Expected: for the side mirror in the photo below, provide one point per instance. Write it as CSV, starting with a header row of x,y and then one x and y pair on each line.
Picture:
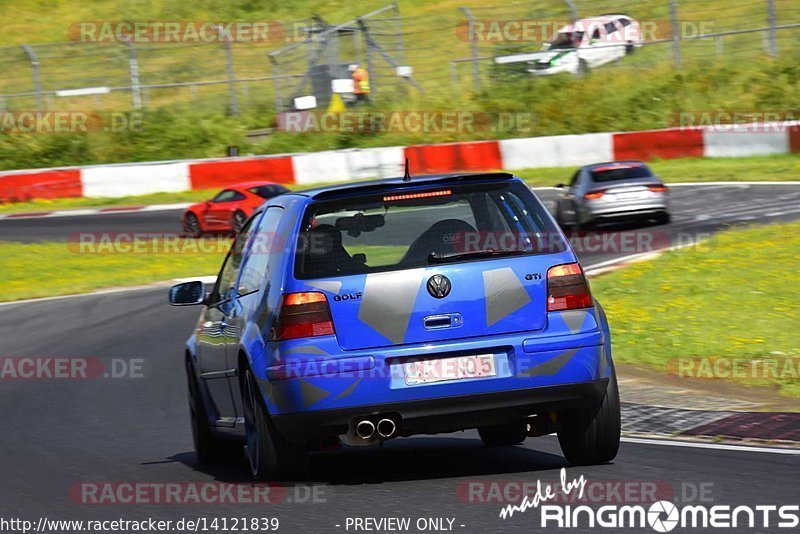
x,y
187,294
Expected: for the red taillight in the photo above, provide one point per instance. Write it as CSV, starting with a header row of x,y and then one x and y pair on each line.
x,y
593,195
303,315
567,288
657,188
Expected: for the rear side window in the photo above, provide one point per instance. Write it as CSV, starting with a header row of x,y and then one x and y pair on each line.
x,y
228,195
610,28
268,191
620,172
224,287
624,22
265,242
420,227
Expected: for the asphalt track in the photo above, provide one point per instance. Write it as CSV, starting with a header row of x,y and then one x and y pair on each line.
x,y
60,433
64,228
695,208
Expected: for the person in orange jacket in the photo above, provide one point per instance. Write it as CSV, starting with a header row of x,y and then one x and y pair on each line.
x,y
360,83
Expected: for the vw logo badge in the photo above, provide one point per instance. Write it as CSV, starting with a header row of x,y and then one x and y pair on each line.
x,y
439,286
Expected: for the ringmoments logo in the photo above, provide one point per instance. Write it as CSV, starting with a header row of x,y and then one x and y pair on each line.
x,y
660,516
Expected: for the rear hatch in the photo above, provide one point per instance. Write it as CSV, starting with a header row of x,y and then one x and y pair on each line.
x,y
431,263
625,181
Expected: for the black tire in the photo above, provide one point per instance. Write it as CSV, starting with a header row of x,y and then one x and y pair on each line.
x,y
630,49
566,226
663,218
591,436
560,216
504,435
238,220
191,225
208,447
271,457
583,67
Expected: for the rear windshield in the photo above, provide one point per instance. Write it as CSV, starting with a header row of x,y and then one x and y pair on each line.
x,y
419,227
616,173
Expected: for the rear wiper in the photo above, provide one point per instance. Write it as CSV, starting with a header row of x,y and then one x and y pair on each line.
x,y
433,257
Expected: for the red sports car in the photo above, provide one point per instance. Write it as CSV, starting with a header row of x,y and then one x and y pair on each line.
x,y
229,209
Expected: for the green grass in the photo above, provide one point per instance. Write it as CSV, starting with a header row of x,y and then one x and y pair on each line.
x,y
757,168
34,270
644,91
379,255
735,296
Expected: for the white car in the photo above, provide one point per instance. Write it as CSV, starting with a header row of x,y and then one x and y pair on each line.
x,y
588,43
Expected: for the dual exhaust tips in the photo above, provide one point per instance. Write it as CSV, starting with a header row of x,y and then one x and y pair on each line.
x,y
366,429
367,432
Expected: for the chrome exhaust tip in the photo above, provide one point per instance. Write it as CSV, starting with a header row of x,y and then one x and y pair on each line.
x,y
365,429
386,428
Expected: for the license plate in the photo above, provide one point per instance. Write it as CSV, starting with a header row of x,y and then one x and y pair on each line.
x,y
443,369
630,195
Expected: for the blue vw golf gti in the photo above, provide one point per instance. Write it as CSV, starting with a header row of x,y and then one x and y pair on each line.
x,y
368,311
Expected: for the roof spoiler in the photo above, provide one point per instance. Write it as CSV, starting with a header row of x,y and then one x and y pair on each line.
x,y
365,188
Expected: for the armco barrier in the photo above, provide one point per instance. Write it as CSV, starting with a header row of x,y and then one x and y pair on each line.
x,y
557,151
27,185
127,180
794,138
665,144
740,142
350,164
219,173
467,156
383,162
332,165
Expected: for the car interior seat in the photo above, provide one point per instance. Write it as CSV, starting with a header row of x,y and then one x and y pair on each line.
x,y
443,237
325,253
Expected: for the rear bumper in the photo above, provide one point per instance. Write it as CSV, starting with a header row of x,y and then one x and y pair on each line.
x,y
596,212
313,394
444,414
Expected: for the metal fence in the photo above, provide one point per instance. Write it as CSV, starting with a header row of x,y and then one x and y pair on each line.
x,y
374,41
124,74
431,57
681,33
